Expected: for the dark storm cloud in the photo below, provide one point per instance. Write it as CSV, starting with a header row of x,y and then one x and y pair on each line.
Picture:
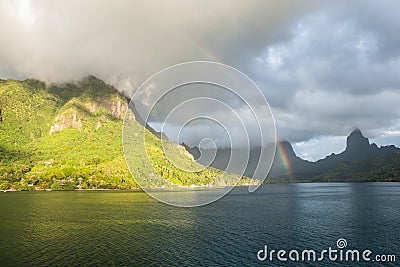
x,y
325,67
340,70
126,41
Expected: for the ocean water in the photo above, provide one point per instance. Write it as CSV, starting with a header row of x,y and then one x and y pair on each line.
x,y
121,228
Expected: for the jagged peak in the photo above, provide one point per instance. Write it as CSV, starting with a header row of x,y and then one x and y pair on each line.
x,y
287,147
356,132
285,144
357,139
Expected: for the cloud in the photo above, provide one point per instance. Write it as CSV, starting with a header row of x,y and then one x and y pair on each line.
x,y
340,70
390,133
325,67
126,41
318,148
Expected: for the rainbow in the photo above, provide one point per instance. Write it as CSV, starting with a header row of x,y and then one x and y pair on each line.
x,y
284,158
195,45
212,56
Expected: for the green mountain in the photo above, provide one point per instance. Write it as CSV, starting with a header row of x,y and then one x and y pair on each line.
x,y
69,136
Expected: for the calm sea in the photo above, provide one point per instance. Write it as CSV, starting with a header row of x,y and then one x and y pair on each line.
x,y
118,228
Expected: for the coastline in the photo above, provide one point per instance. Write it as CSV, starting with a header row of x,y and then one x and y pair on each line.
x,y
192,188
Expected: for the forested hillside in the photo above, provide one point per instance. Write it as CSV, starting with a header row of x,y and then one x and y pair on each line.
x,y
68,136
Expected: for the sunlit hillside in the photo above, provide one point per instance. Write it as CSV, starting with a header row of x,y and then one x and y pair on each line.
x,y
68,137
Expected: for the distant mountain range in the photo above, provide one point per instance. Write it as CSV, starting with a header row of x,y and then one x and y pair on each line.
x,y
360,161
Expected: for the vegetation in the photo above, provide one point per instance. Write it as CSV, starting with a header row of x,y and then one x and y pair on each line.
x,y
375,169
360,161
69,136
66,137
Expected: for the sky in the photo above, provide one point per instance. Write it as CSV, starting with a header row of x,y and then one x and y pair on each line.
x,y
325,67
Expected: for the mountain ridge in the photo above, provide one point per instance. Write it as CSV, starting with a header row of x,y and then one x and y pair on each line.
x,y
358,151
69,136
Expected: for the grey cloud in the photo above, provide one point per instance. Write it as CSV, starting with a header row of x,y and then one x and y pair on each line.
x,y
325,67
340,70
335,113
127,41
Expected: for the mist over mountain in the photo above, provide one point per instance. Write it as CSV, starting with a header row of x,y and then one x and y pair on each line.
x,y
69,136
320,64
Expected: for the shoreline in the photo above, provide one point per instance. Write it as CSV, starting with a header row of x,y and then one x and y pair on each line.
x,y
190,188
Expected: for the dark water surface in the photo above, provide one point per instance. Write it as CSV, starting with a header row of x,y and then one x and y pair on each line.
x,y
132,229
